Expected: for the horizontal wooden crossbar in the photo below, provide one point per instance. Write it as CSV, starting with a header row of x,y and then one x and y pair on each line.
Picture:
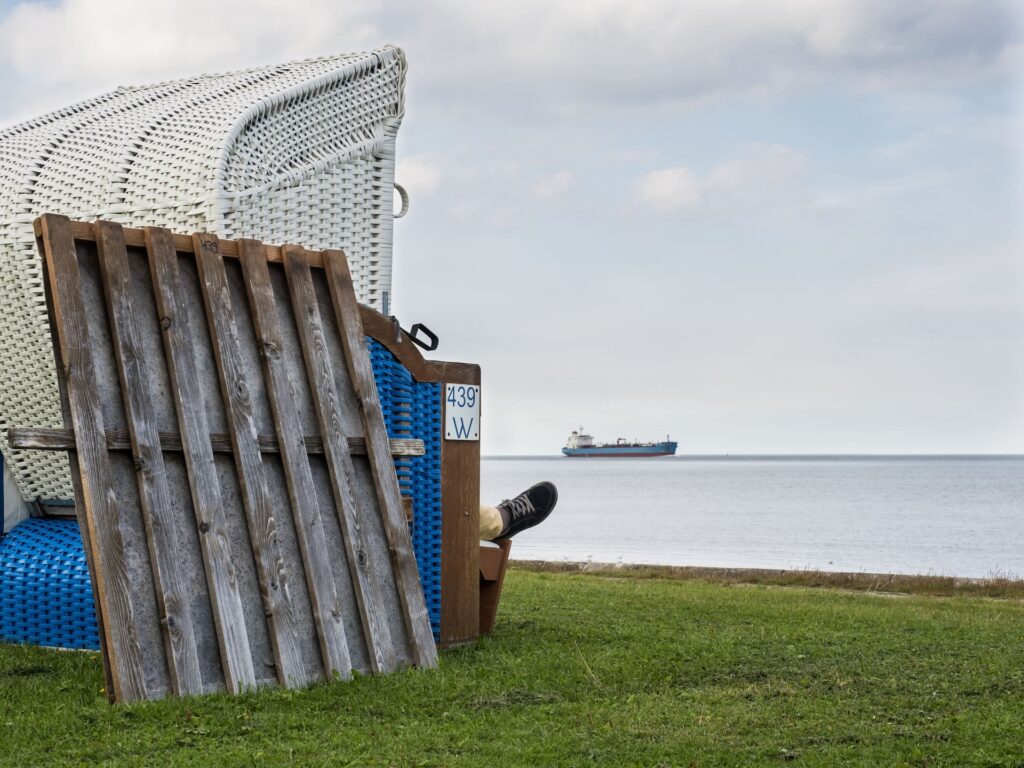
x,y
50,439
136,238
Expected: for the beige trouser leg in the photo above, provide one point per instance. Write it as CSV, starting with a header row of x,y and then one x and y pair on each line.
x,y
490,522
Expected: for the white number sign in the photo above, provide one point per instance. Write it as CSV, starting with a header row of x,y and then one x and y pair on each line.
x,y
462,412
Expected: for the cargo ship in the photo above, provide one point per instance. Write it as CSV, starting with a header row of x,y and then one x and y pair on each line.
x,y
581,444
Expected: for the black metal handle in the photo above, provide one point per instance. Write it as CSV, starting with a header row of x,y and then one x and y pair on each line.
x,y
413,334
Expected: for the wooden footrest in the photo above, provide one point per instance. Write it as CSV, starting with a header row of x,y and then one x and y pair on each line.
x,y
493,564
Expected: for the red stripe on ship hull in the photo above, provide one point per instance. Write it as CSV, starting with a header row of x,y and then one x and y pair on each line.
x,y
616,455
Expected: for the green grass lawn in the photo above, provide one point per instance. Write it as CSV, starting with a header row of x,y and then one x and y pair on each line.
x,y
594,670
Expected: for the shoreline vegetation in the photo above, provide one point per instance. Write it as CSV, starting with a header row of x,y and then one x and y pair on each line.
x,y
994,586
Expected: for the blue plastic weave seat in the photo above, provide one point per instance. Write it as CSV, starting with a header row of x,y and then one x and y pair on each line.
x,y
45,593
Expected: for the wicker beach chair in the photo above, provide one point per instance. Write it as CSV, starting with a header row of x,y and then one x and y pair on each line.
x,y
300,152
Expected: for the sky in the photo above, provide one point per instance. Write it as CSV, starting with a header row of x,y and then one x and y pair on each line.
x,y
787,227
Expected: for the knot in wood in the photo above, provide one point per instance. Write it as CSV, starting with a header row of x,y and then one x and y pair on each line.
x,y
271,350
165,322
361,558
204,527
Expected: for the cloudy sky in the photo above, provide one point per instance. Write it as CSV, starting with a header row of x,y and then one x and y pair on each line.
x,y
787,227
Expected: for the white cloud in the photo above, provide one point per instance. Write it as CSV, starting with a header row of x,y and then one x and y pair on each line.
x,y
759,174
418,174
670,189
568,56
554,185
484,81
74,49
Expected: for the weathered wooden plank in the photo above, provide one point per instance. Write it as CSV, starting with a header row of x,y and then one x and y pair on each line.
x,y
78,511
271,567
57,439
327,609
225,596
339,463
357,359
170,588
100,505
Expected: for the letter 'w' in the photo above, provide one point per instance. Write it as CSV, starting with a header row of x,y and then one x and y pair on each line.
x,y
461,428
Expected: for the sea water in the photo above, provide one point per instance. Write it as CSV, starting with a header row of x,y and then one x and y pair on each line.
x,y
961,516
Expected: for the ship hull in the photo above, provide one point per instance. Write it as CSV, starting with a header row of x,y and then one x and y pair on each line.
x,y
622,451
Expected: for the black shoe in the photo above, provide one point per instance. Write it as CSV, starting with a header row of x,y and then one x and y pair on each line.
x,y
528,509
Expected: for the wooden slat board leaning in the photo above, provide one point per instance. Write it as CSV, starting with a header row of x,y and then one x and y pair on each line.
x,y
234,482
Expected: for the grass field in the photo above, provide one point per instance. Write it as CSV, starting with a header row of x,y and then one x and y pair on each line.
x,y
592,669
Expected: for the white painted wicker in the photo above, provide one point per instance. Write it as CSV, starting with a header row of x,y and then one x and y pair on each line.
x,y
299,153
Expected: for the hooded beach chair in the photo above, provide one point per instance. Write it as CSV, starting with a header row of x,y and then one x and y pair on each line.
x,y
294,153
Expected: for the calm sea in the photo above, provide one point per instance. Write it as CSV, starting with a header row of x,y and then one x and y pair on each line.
x,y
961,516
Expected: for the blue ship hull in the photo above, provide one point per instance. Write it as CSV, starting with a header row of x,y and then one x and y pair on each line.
x,y
623,451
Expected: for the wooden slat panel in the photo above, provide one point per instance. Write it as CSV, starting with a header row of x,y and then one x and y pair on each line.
x,y
98,500
171,592
221,575
271,567
326,404
327,609
357,359
56,439
210,377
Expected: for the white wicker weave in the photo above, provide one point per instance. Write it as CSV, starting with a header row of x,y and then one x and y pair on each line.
x,y
299,153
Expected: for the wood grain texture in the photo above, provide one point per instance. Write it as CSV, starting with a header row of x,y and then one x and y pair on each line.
x,y
136,238
272,568
460,525
58,439
327,610
257,344
99,503
79,510
493,565
225,597
170,587
357,359
328,412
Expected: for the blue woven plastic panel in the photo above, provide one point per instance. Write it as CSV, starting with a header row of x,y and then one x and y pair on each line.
x,y
413,409
45,595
